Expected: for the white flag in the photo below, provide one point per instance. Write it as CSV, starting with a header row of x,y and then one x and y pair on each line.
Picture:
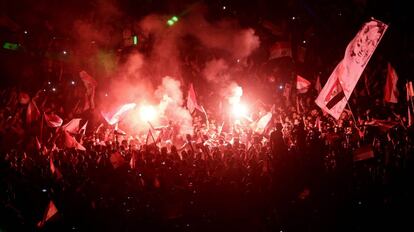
x,y
344,78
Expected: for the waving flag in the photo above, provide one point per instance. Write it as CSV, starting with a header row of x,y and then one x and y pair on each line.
x,y
341,83
70,142
280,49
302,85
192,101
51,211
263,122
53,120
32,112
112,119
72,126
390,90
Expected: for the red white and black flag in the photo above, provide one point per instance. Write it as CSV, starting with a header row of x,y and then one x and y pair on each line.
x,y
341,83
192,100
114,117
302,85
280,49
53,120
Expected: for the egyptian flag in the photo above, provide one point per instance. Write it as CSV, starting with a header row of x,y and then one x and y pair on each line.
x,y
280,49
302,85
53,120
51,211
192,101
390,90
262,123
32,112
70,142
113,118
73,126
340,85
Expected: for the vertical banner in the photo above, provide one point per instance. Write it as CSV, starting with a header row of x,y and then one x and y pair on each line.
x,y
333,97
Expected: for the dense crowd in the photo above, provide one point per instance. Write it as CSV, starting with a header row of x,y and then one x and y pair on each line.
x,y
302,173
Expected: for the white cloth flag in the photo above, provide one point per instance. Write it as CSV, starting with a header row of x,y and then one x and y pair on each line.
x,y
344,78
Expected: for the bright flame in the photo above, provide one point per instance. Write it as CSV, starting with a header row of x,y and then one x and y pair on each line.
x,y
239,110
237,92
147,113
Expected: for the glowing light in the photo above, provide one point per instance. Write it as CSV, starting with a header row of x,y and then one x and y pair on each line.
x,y
135,40
224,7
49,83
54,89
239,110
72,82
280,86
65,52
237,93
25,32
10,46
304,41
293,17
172,20
147,113
106,94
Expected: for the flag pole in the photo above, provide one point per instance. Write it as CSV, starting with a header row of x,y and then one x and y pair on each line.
x,y
41,129
347,103
152,136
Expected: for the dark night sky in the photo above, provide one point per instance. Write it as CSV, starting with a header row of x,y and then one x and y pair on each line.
x,y
326,25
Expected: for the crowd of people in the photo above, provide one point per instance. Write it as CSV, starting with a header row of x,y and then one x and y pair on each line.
x,y
304,172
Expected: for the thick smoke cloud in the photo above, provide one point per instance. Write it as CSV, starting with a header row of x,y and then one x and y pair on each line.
x,y
156,77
